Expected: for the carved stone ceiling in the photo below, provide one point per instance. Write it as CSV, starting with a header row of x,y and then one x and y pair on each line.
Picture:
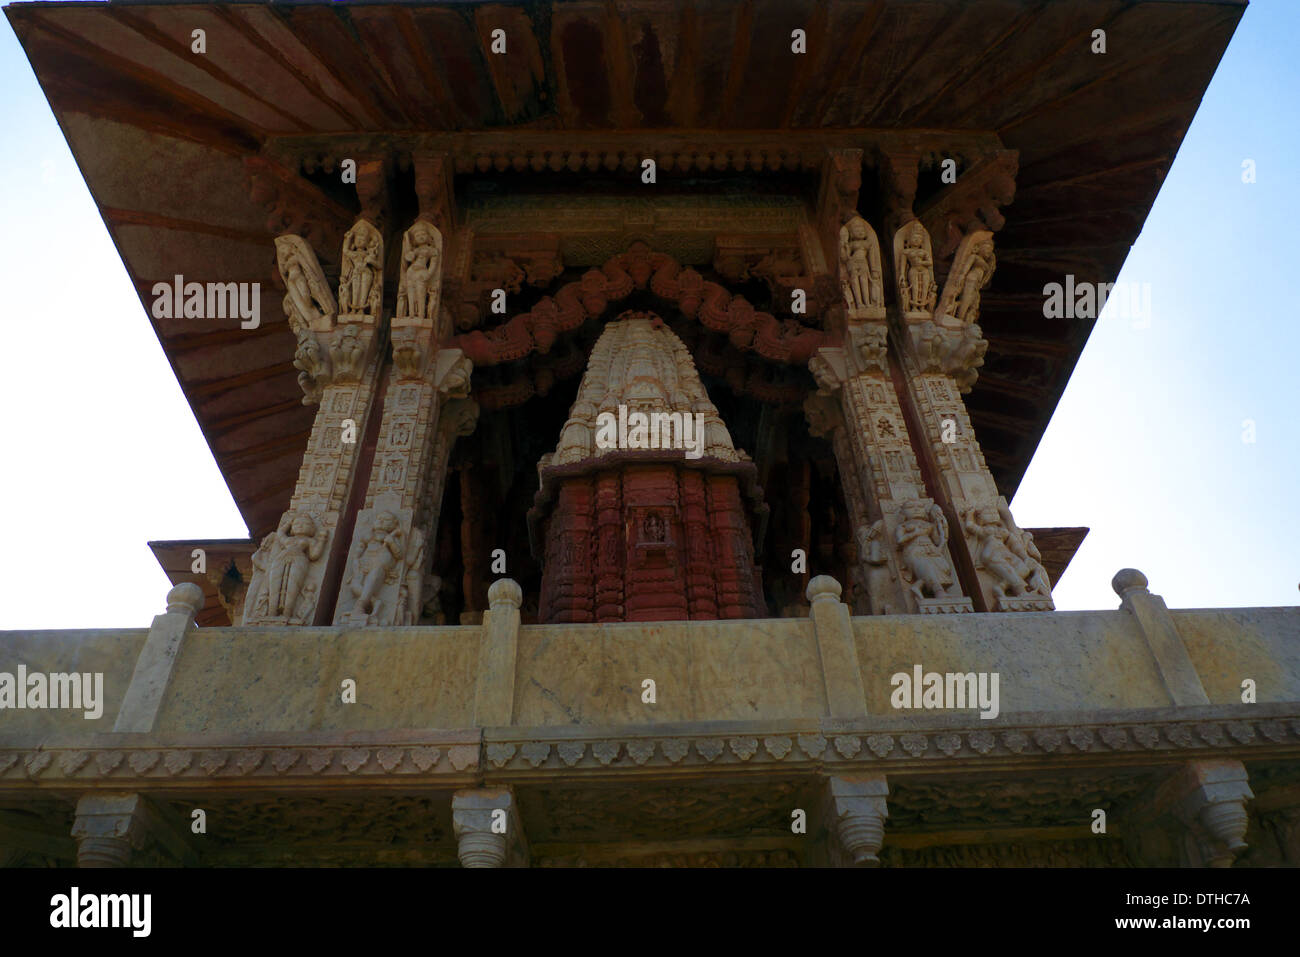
x,y
168,141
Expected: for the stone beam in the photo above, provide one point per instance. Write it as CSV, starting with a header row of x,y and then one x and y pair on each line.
x,y
676,153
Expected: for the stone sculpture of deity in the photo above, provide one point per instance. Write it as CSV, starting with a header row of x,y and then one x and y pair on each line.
x,y
916,270
878,577
361,277
979,270
284,559
922,539
1004,556
376,561
860,266
307,297
421,253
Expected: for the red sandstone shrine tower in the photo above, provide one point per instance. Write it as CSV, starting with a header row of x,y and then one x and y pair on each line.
x,y
639,534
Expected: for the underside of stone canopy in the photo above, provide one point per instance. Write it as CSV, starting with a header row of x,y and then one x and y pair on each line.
x,y
626,435
197,161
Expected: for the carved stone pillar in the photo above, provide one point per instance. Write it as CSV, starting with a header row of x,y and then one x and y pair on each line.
x,y
855,815
339,358
941,350
487,828
903,563
385,577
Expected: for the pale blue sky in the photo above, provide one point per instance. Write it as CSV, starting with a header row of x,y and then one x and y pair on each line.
x,y
102,454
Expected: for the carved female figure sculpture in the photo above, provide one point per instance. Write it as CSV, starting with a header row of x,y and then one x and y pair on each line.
x,y
860,265
308,297
420,258
879,579
978,273
922,538
917,275
381,550
361,268
292,549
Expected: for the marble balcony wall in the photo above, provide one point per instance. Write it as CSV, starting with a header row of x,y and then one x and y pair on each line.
x,y
764,712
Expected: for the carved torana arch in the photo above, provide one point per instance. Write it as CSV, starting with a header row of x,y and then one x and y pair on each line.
x,y
748,329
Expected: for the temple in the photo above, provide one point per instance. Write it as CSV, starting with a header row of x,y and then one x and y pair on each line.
x,y
625,402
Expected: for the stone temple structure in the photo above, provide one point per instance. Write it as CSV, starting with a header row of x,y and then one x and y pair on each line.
x,y
626,434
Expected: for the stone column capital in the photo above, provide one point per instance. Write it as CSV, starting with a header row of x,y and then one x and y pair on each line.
x,y
488,831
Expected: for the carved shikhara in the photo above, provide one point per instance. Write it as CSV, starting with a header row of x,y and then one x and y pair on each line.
x,y
639,364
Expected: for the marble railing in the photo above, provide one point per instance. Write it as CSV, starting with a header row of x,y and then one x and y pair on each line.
x,y
178,680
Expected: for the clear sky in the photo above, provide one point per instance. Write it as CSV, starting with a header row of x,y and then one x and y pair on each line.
x,y
101,454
